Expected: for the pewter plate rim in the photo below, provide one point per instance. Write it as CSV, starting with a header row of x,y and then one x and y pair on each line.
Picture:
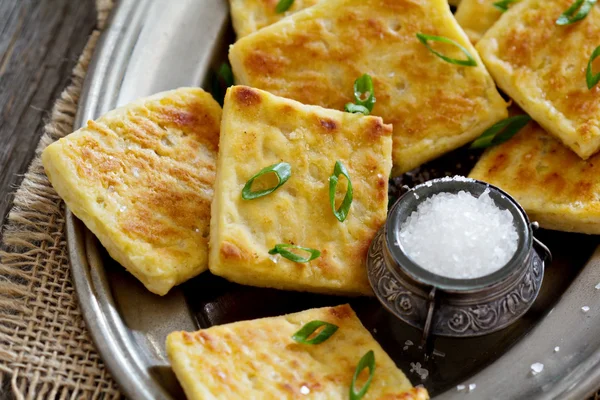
x,y
124,349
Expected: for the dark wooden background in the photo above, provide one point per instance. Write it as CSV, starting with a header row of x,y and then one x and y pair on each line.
x,y
40,42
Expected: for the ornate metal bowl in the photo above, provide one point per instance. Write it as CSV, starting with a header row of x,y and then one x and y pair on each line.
x,y
444,306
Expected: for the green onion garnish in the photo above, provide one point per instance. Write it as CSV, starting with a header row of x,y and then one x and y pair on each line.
x,y
592,79
501,131
569,16
221,80
304,333
503,4
364,96
469,62
226,74
342,212
283,6
367,361
282,170
281,249
355,109
363,87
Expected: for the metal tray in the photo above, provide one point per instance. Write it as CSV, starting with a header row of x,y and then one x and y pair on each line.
x,y
155,45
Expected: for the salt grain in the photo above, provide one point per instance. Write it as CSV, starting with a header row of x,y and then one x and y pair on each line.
x,y
460,387
585,309
459,235
472,386
304,390
438,353
556,349
536,368
422,372
597,286
135,171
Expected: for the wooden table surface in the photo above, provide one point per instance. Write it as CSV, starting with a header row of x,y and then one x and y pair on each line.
x,y
40,42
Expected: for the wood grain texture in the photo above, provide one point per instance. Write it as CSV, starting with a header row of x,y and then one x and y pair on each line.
x,y
40,41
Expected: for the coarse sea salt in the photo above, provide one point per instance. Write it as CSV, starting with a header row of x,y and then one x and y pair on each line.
x,y
536,368
419,370
459,235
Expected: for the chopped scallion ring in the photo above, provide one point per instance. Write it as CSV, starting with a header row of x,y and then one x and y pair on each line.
x,y
363,87
503,4
226,74
364,96
281,249
342,212
590,78
501,131
302,336
222,79
367,361
283,6
569,16
282,170
356,109
469,62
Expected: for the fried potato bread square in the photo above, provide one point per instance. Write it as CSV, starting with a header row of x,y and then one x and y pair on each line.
x,y
259,130
259,360
248,16
315,55
542,65
476,17
556,187
141,179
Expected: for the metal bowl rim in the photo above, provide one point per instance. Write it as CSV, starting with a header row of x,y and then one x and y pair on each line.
x,y
515,266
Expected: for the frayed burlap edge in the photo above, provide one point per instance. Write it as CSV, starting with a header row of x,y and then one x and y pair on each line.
x,y
45,349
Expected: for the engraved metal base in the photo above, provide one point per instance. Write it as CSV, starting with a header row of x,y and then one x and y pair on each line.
x,y
454,315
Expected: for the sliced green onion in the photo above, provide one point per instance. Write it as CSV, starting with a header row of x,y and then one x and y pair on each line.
x,y
222,79
569,16
283,6
367,361
302,336
356,109
364,96
342,212
282,170
226,74
501,131
503,4
363,87
281,249
592,79
469,62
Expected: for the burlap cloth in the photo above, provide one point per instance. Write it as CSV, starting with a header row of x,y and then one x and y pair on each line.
x,y
45,349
